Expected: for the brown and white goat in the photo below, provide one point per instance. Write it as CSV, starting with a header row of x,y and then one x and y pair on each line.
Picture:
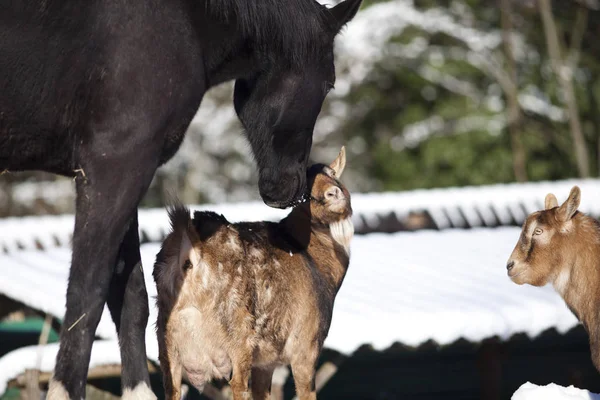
x,y
561,245
244,298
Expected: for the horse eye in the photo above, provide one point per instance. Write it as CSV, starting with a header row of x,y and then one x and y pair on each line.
x,y
537,231
328,87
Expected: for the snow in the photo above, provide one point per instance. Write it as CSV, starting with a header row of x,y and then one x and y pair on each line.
x,y
403,287
458,290
473,206
52,192
530,391
26,233
367,37
104,352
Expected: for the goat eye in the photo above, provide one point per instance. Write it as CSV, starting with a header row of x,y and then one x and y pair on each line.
x,y
537,231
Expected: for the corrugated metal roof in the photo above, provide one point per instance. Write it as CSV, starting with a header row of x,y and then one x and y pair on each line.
x,y
407,287
465,207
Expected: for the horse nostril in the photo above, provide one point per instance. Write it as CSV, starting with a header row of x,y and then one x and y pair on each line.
x,y
510,265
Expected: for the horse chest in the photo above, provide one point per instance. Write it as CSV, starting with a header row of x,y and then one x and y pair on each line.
x,y
20,151
173,139
36,130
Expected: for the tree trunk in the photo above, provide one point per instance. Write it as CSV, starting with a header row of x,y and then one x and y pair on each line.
x,y
564,73
513,109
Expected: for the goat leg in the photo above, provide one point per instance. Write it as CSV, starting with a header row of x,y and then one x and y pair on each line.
x,y
171,371
261,383
240,377
303,371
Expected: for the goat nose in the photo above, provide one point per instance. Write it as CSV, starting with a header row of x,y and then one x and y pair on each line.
x,y
510,265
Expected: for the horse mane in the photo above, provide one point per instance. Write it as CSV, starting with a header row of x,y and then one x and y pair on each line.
x,y
287,27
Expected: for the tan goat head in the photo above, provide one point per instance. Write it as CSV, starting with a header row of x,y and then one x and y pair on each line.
x,y
535,259
329,199
561,245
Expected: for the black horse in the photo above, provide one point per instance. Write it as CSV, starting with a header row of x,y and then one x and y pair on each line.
x,y
103,90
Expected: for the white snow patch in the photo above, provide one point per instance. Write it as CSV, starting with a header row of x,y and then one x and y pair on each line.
x,y
104,352
530,391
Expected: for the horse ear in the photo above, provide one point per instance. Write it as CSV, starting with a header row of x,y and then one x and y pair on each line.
x,y
550,201
339,163
569,207
342,14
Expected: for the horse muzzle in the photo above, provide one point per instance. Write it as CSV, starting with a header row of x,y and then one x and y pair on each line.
x,y
287,191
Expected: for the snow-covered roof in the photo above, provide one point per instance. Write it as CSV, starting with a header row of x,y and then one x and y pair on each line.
x,y
474,206
407,287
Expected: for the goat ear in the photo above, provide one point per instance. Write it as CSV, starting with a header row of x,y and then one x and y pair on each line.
x,y
342,13
187,251
569,207
181,225
550,201
339,163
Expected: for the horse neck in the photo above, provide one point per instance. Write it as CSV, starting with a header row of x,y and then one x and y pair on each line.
x,y
298,225
233,63
304,229
320,243
227,54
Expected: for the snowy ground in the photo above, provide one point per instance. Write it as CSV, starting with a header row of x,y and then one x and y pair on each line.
x,y
530,391
403,287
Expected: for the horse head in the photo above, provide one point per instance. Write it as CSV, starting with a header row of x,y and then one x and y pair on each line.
x,y
279,104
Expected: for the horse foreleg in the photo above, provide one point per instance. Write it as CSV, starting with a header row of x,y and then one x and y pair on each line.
x,y
128,304
107,197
